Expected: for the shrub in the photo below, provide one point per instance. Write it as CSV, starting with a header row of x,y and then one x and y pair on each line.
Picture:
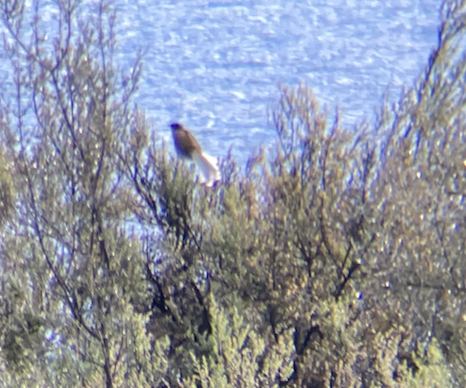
x,y
334,261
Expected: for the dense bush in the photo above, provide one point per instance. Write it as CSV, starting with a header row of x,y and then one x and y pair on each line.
x,y
336,260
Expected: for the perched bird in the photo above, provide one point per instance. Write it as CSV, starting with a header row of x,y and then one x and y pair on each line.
x,y
188,147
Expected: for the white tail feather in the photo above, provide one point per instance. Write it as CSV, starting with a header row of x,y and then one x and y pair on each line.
x,y
207,165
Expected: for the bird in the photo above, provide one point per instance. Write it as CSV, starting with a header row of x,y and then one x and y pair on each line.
x,y
188,147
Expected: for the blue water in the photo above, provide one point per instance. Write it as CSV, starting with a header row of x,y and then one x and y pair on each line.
x,y
215,65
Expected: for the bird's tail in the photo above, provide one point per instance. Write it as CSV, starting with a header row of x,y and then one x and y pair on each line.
x,y
207,165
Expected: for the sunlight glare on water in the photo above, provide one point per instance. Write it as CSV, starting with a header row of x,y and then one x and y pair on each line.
x,y
215,65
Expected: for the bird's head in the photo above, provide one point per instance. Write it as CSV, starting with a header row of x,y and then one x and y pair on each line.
x,y
176,127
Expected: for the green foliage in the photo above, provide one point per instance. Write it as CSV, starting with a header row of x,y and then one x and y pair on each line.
x,y
237,355
335,261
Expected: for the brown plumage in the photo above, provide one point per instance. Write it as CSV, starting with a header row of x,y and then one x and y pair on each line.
x,y
185,143
187,146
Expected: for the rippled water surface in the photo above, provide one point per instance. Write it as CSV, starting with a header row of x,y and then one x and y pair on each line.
x,y
215,65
